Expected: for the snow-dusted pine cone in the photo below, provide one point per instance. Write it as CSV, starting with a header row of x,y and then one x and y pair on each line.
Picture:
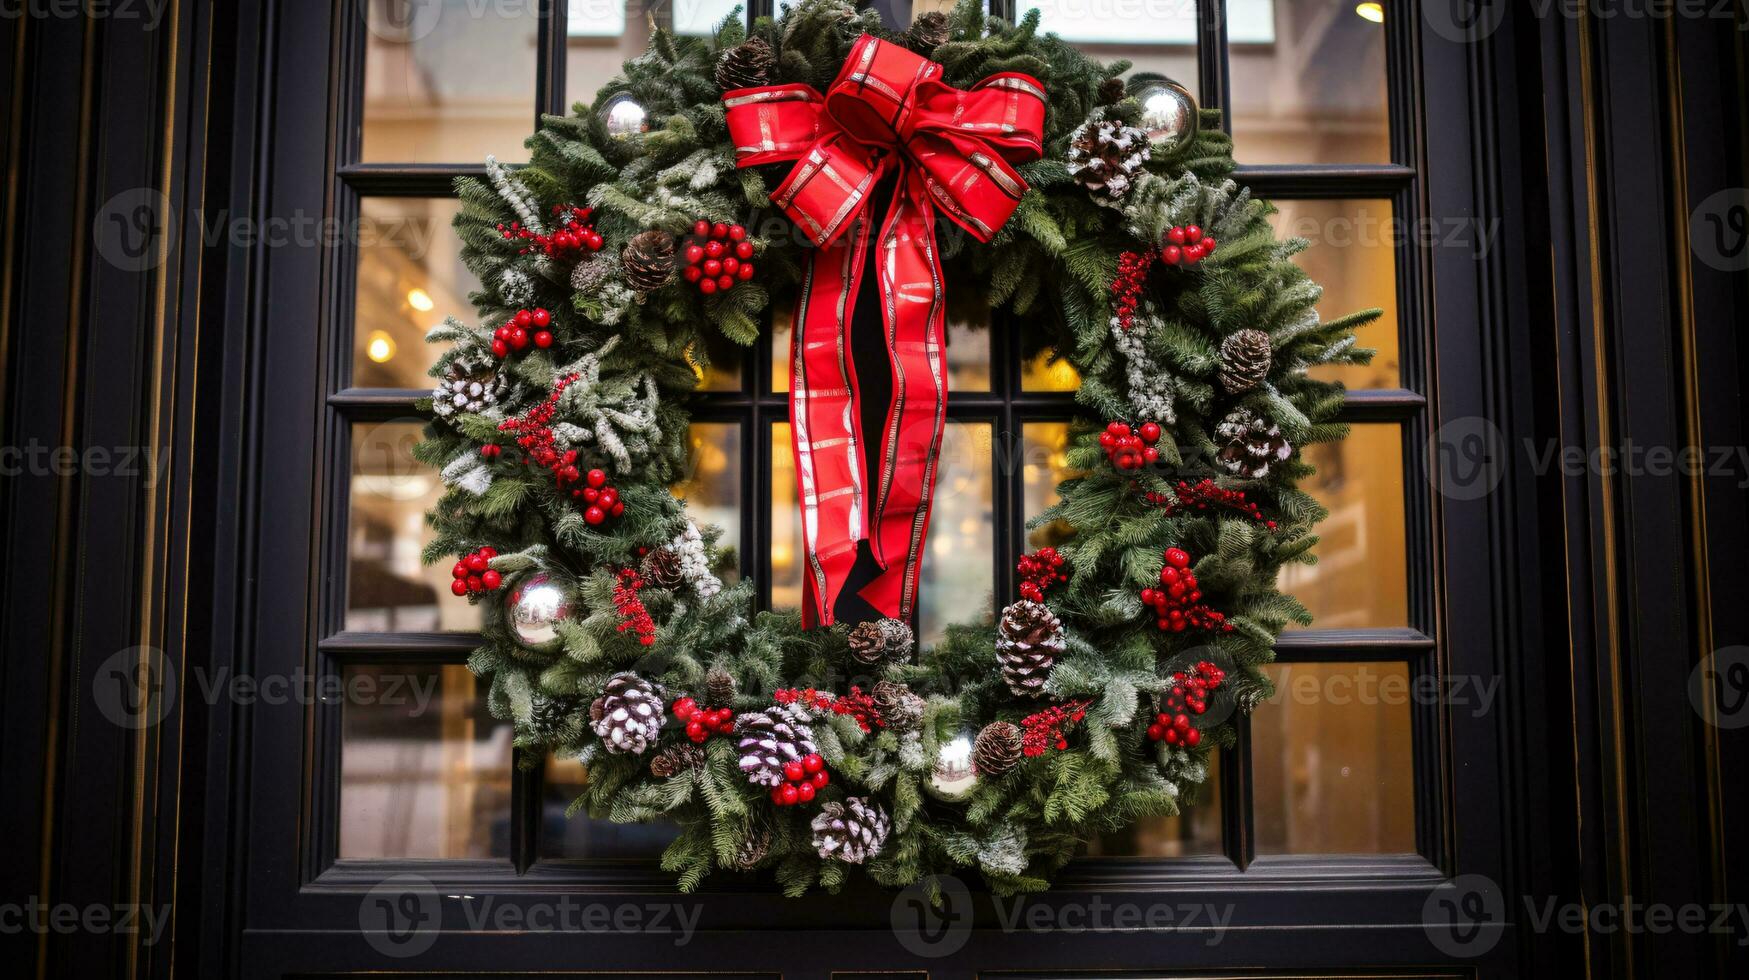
x,y
881,641
753,848
628,715
746,65
590,273
663,569
719,689
676,759
772,737
468,386
1028,639
928,32
901,709
1245,358
554,717
997,749
648,260
1251,445
1106,156
852,831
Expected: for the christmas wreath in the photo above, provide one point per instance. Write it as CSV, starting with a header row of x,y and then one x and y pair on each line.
x,y
1097,210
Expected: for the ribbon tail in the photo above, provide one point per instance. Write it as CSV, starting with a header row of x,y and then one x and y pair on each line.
x,y
913,315
825,432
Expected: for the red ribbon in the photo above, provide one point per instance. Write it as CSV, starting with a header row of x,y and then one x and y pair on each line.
x,y
888,111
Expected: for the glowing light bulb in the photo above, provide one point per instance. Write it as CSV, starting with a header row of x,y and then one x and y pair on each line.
x,y
1371,10
420,300
379,346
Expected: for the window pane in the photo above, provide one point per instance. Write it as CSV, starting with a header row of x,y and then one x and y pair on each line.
x,y
1353,255
604,34
1195,831
387,588
968,346
424,769
1040,372
1360,579
712,488
1308,81
1332,761
1044,462
582,836
958,560
410,276
958,584
724,370
1156,35
448,81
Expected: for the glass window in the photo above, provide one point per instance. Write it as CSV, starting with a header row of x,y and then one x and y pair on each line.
x,y
712,487
1361,577
424,769
1308,81
1044,465
968,346
1195,831
410,276
583,836
1332,760
448,81
1353,256
958,585
1154,35
388,588
602,35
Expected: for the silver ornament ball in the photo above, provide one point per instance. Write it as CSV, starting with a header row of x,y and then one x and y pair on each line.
x,y
536,607
954,777
624,117
1169,114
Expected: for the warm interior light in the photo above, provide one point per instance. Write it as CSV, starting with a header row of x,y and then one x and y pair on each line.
x,y
379,347
1371,10
420,300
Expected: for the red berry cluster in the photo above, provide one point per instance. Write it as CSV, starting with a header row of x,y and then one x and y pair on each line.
x,y
573,234
808,698
1126,290
602,499
1186,245
526,327
702,723
1130,449
1177,603
717,257
491,450
1038,572
802,779
1204,495
1043,730
472,574
633,617
1188,696
861,709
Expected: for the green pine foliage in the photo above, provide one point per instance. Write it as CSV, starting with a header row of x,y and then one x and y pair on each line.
x,y
638,361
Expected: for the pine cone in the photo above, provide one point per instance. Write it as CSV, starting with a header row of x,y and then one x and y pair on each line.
x,y
1252,445
928,32
746,65
554,717
753,849
852,831
1245,358
590,273
719,689
997,749
1029,637
628,715
676,759
468,386
883,640
1107,157
897,705
771,738
1112,91
663,569
649,260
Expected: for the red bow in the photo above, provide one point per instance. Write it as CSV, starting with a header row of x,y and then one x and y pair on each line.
x,y
887,111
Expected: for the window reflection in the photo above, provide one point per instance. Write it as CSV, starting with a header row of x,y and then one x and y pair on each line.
x,y
1154,35
388,588
424,768
1332,761
1353,256
968,345
1195,831
448,81
583,836
712,487
410,276
1308,82
1361,577
1045,464
605,34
